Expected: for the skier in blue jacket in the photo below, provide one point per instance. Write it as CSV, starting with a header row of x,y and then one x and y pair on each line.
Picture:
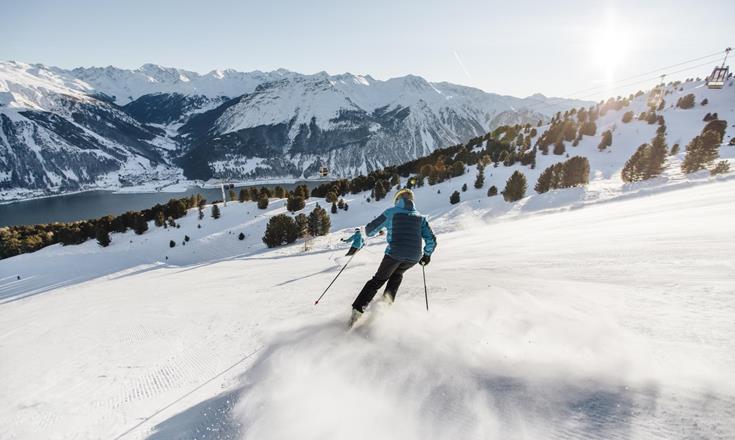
x,y
406,228
357,242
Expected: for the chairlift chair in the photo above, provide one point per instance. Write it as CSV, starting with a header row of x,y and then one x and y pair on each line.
x,y
719,74
323,171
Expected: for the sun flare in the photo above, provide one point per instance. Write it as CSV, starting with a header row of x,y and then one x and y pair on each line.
x,y
610,47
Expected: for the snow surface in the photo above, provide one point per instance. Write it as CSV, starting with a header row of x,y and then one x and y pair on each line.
x,y
601,312
573,314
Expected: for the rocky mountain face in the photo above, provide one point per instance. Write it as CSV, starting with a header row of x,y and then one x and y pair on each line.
x,y
68,130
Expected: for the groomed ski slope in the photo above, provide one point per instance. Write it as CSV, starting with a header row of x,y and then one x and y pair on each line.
x,y
609,321
601,312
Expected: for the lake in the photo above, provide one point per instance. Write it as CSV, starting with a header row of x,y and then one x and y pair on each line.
x,y
94,204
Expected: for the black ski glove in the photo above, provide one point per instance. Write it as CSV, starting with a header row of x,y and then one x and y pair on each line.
x,y
425,260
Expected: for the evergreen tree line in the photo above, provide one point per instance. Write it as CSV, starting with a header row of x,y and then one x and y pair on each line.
x,y
704,149
15,240
570,173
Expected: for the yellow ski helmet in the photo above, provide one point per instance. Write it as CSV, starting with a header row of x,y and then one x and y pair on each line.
x,y
405,194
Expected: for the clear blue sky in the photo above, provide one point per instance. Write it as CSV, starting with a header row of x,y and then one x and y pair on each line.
x,y
512,47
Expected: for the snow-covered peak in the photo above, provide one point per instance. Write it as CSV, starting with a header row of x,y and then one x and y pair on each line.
x,y
126,85
33,86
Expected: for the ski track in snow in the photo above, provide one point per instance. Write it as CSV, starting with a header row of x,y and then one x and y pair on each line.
x,y
613,321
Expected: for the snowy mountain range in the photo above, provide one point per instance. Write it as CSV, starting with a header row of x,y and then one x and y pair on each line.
x,y
86,128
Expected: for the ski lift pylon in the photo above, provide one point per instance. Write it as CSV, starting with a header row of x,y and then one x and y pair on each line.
x,y
657,94
716,80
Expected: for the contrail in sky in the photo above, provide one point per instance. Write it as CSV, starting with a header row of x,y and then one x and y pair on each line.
x,y
461,64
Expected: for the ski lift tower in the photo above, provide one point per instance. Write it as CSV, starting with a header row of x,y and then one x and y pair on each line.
x,y
657,94
222,187
719,75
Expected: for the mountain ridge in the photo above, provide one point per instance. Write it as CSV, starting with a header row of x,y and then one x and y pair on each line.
x,y
226,124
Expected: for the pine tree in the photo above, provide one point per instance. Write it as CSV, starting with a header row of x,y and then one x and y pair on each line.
x,y
295,203
319,222
464,187
139,224
302,221
232,195
674,149
606,140
633,168
721,167
545,180
278,192
657,156
454,198
515,187
480,179
686,102
379,190
303,191
215,211
159,220
559,147
241,236
575,172
627,117
262,201
705,101
492,191
587,129
200,206
281,229
171,243
334,207
102,235
244,195
701,151
717,126
331,197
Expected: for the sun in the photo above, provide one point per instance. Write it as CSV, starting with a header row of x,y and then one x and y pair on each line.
x,y
610,47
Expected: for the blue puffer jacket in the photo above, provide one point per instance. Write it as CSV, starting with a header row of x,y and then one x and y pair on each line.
x,y
406,227
356,239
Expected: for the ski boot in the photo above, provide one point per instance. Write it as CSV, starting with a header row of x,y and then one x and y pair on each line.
x,y
388,297
356,315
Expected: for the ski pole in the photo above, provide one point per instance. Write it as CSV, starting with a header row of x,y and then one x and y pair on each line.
x,y
426,293
335,279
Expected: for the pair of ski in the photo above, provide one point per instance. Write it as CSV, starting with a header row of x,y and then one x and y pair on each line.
x,y
359,319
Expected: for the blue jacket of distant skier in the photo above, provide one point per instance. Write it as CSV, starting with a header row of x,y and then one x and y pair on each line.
x,y
357,240
406,227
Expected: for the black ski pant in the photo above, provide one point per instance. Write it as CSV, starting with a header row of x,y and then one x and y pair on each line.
x,y
353,250
390,270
